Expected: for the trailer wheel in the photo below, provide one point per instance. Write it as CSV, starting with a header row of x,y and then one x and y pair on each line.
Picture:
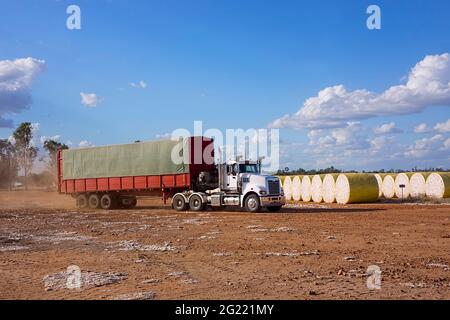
x,y
94,201
82,201
179,203
196,203
252,203
108,201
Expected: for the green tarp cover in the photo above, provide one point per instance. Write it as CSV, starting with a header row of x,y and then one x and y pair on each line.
x,y
135,159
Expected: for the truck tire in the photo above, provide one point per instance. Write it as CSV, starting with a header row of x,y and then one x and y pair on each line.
x,y
252,203
82,201
108,201
94,201
274,209
196,203
179,203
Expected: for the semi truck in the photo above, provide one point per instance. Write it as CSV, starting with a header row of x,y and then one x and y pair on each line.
x,y
115,176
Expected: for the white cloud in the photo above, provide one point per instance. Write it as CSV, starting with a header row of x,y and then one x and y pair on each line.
x,y
45,138
140,85
425,147
428,84
447,144
386,128
90,99
422,128
163,135
16,77
443,126
353,136
85,144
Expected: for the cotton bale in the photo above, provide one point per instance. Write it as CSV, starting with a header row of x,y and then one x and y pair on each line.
x,y
329,188
388,186
356,188
438,185
317,189
297,188
306,188
287,187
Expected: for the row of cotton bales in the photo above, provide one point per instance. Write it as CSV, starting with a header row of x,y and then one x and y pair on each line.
x,y
419,184
362,187
329,188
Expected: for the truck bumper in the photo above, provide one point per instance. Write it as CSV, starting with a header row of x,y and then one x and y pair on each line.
x,y
273,201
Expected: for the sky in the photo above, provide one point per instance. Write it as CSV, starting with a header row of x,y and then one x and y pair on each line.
x,y
340,93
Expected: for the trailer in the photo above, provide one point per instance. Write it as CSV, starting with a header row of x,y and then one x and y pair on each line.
x,y
114,176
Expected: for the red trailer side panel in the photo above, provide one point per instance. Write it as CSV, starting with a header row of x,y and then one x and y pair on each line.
x,y
80,185
114,184
140,182
127,183
168,181
154,181
91,185
102,184
70,186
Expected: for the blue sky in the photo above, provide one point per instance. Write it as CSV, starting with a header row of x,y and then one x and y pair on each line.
x,y
232,64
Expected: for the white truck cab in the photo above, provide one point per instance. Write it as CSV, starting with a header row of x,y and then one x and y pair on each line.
x,y
240,183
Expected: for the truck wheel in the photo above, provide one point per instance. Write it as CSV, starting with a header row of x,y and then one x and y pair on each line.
x,y
94,201
196,203
179,203
108,201
274,209
252,203
82,201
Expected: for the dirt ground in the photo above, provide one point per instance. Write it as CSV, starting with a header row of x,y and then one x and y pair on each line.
x,y
306,251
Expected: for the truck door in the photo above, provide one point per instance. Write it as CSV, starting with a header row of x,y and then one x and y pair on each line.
x,y
232,173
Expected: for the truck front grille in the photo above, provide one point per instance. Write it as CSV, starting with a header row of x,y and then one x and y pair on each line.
x,y
274,186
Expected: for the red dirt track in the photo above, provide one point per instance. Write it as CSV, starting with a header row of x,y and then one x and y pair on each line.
x,y
306,251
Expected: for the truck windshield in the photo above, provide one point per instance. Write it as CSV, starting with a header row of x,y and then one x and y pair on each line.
x,y
248,168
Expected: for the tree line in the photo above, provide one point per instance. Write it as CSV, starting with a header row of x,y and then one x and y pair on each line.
x,y
19,154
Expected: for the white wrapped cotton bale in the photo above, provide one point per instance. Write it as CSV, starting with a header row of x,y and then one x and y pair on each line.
x,y
329,188
402,179
317,189
297,188
306,189
287,187
438,185
380,184
417,185
356,188
388,187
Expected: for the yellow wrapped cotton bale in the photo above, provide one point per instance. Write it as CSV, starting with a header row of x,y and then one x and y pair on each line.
x,y
317,189
306,188
438,185
329,187
402,179
356,188
297,188
380,184
388,186
287,187
417,184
